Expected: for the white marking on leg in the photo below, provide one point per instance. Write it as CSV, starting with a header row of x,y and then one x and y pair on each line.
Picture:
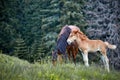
x,y
107,63
103,59
85,58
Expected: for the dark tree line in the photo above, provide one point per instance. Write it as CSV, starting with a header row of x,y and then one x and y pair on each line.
x,y
29,28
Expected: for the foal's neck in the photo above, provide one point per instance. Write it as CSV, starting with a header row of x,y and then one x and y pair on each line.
x,y
79,40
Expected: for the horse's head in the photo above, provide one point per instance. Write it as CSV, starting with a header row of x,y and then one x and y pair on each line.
x,y
72,37
54,57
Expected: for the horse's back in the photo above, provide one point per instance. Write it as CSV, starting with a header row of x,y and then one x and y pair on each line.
x,y
63,29
74,28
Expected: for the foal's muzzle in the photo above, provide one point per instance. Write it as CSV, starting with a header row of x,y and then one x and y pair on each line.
x,y
69,42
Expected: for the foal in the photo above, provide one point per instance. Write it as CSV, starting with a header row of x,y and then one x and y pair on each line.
x,y
86,45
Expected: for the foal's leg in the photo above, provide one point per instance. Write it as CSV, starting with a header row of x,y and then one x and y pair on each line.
x,y
106,61
85,58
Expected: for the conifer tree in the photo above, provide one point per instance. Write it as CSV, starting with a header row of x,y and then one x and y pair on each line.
x,y
51,18
32,51
71,13
32,20
63,12
38,50
8,22
20,49
41,51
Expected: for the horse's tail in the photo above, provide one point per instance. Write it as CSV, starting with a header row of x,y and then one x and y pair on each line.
x,y
110,45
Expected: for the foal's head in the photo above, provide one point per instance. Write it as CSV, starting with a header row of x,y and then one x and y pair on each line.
x,y
72,37
75,35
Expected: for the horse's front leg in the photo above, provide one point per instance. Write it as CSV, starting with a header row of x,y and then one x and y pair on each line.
x,y
85,58
74,57
65,56
60,58
68,52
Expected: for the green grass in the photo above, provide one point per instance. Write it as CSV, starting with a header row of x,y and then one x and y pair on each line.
x,y
12,68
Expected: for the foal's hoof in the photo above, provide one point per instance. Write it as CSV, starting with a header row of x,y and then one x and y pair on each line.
x,y
87,65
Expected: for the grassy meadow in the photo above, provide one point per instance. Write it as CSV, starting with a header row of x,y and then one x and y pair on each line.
x,y
12,68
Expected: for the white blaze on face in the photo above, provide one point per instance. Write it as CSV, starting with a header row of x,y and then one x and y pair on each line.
x,y
70,40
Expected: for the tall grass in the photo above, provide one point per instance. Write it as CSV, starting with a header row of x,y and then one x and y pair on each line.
x,y
12,68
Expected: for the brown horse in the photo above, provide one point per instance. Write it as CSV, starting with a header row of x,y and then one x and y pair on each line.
x,y
72,51
62,45
90,46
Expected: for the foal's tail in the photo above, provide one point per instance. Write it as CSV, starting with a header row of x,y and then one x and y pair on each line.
x,y
110,45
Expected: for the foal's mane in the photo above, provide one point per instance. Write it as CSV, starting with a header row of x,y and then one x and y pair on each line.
x,y
81,35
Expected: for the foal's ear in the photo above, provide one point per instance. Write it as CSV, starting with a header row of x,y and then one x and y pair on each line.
x,y
76,31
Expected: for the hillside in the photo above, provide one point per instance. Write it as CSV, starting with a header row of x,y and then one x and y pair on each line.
x,y
12,68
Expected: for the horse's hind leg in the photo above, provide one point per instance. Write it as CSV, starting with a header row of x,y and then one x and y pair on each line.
x,y
85,58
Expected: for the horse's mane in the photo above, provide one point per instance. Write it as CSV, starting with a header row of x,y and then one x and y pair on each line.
x,y
62,31
62,39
